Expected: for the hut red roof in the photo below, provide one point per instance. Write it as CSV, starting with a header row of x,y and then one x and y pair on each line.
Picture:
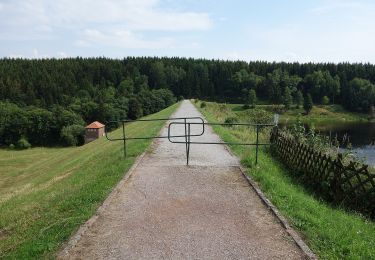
x,y
95,125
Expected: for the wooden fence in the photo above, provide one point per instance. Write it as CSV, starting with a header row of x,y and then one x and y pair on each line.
x,y
351,185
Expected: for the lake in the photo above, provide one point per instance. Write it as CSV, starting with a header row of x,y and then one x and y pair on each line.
x,y
361,136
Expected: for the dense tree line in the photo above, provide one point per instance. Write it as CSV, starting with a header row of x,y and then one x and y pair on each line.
x,y
40,98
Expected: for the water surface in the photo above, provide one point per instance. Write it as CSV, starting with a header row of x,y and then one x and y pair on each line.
x,y
361,136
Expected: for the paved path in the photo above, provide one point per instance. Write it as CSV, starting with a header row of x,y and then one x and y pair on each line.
x,y
167,210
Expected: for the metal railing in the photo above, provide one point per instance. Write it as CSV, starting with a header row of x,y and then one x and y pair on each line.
x,y
186,122
188,141
124,138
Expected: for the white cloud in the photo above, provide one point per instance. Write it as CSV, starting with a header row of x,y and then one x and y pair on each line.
x,y
337,32
85,23
37,55
234,56
313,44
124,39
338,6
62,54
133,15
16,56
82,43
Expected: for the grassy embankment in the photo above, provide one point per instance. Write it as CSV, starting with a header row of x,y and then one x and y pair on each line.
x,y
47,193
319,114
331,233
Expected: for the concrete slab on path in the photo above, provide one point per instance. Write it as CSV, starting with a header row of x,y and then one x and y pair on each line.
x,y
167,210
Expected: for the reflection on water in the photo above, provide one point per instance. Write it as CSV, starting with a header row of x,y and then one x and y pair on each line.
x,y
367,153
360,134
361,137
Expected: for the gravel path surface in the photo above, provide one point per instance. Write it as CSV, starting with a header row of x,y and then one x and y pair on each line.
x,y
167,210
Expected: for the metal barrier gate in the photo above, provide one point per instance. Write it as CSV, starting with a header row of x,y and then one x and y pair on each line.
x,y
186,122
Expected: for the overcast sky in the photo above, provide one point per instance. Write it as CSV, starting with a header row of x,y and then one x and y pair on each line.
x,y
272,30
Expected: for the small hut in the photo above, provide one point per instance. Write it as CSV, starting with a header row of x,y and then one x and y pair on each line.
x,y
94,131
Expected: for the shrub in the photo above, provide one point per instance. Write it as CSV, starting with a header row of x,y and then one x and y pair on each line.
x,y
166,95
278,109
308,104
287,98
73,135
135,109
12,146
259,116
223,108
23,144
321,143
203,104
252,98
180,98
298,99
325,100
231,120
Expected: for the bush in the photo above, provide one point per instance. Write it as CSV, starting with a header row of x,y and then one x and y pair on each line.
x,y
166,95
203,104
223,108
278,109
12,146
325,100
259,116
308,104
252,98
73,135
180,98
23,144
231,120
135,109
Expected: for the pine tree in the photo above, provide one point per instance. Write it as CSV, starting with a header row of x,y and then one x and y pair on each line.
x,y
252,98
299,99
308,104
287,99
245,98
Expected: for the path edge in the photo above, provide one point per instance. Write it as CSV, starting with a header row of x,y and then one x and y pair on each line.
x,y
73,240
284,222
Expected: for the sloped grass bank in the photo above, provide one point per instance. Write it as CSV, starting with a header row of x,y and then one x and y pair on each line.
x,y
330,232
318,114
47,193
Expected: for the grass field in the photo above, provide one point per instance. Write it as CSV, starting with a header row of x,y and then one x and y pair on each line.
x,y
328,113
331,233
47,193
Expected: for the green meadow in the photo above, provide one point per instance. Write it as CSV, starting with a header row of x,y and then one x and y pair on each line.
x,y
47,193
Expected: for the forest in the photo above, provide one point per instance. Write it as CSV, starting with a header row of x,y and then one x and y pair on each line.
x,y
46,102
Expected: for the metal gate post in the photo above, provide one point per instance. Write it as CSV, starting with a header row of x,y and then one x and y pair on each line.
x,y
256,147
123,135
188,144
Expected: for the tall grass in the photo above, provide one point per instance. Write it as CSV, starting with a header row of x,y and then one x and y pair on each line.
x,y
331,233
47,193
